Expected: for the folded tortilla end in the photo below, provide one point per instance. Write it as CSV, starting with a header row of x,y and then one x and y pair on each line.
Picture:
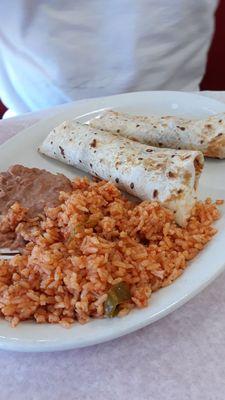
x,y
216,147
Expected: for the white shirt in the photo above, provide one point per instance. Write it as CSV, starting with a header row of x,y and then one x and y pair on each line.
x,y
55,51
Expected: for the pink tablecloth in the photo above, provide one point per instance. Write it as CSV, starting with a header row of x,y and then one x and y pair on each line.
x,y
179,357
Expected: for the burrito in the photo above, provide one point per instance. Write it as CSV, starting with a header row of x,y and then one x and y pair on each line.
x,y
164,175
206,135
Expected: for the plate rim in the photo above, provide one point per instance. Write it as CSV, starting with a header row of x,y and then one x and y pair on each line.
x,y
28,345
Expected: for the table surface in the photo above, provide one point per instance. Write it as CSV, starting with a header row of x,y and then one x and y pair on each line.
x,y
179,357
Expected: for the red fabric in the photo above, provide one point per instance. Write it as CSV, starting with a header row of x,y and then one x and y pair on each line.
x,y
2,109
214,78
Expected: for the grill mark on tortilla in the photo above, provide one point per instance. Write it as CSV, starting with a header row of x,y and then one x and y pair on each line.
x,y
172,174
62,151
187,177
93,143
215,145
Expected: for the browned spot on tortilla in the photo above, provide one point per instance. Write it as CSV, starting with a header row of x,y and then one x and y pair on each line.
x,y
51,142
140,158
172,174
96,178
132,185
118,131
117,180
182,128
151,164
62,151
220,120
216,147
209,126
93,143
91,165
155,193
198,165
175,196
149,150
137,126
187,177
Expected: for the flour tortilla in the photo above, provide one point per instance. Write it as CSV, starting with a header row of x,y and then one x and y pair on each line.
x,y
164,175
207,135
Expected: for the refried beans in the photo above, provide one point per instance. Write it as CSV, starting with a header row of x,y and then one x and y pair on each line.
x,y
31,189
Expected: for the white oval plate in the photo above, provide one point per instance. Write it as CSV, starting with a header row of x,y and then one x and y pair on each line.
x,y
22,148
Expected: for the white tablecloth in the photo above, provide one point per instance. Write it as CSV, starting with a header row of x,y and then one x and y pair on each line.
x,y
179,357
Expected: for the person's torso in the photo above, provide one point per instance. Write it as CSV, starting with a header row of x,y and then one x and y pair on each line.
x,y
53,52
